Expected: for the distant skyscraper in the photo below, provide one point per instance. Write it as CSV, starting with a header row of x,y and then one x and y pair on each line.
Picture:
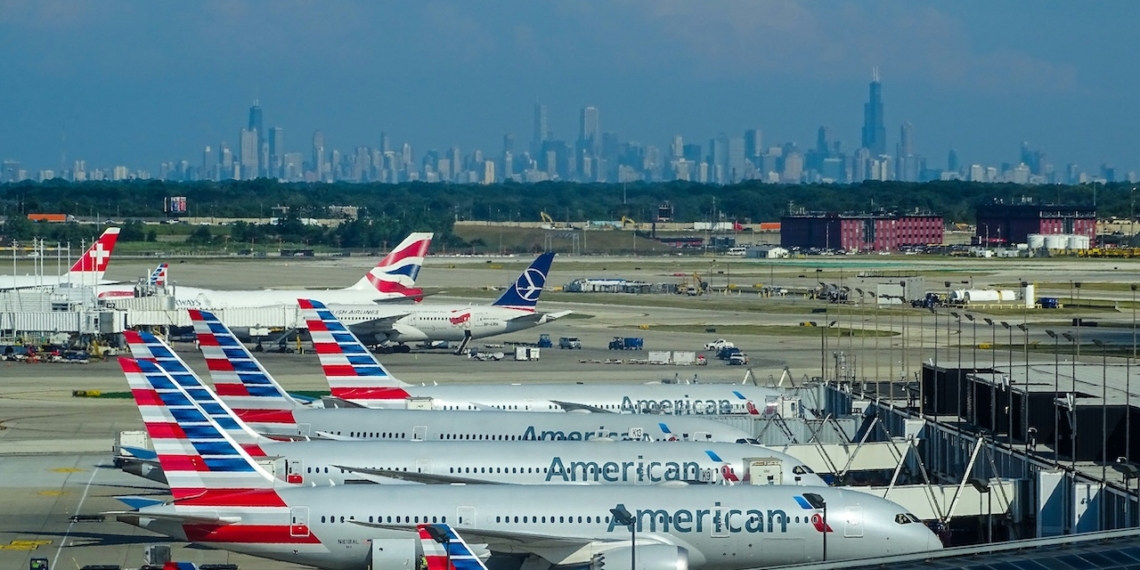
x,y
385,143
508,143
753,144
249,152
208,162
906,139
318,158
677,149
255,117
734,170
588,130
952,163
874,133
541,133
823,141
276,150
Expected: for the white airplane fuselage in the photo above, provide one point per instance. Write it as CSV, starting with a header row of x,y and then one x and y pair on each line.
x,y
436,322
714,527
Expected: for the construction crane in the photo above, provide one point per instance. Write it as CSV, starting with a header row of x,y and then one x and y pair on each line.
x,y
546,219
625,220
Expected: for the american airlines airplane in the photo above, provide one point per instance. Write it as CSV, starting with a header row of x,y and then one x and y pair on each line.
x,y
255,396
513,311
392,279
355,376
599,462
86,271
223,499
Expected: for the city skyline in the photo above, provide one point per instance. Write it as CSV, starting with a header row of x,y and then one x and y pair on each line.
x,y
117,83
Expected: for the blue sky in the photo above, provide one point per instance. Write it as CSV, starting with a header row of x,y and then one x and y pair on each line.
x,y
139,82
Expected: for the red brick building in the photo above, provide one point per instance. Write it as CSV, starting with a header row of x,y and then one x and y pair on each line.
x,y
859,232
1012,223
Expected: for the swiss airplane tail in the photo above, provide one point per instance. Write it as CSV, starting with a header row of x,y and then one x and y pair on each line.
x,y
89,268
444,549
524,293
158,276
396,274
352,371
204,466
148,347
239,379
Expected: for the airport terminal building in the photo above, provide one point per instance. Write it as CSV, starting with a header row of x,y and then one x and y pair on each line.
x,y
859,232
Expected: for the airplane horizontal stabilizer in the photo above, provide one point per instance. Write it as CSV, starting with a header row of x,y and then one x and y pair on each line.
x,y
425,478
140,452
576,407
176,517
517,540
136,502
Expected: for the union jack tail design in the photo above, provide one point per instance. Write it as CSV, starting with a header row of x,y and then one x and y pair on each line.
x,y
446,550
352,371
203,465
89,268
396,273
240,380
158,276
523,295
148,347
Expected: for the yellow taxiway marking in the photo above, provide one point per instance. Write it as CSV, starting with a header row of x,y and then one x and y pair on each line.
x,y
52,493
67,470
24,544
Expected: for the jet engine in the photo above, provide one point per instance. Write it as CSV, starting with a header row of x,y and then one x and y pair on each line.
x,y
649,557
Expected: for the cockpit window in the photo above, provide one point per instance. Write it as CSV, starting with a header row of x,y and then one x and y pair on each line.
x,y
914,518
802,470
748,440
903,518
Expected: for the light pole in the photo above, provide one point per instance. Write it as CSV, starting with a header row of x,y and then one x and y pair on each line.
x,y
862,335
1103,408
625,518
1056,393
1025,347
972,402
1128,382
993,370
1073,426
1009,385
958,392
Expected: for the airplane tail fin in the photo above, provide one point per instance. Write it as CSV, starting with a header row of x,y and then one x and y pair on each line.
x,y
396,274
158,276
146,346
203,465
90,266
239,379
524,293
352,371
444,549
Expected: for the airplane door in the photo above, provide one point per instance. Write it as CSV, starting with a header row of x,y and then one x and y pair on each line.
x,y
765,471
702,436
304,429
465,517
528,405
423,466
294,470
419,433
299,521
852,522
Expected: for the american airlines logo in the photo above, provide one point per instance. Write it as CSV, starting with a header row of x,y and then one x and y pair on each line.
x,y
532,434
715,520
682,407
624,472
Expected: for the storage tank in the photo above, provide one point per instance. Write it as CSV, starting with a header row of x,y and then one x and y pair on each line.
x,y
982,295
1078,242
958,295
1035,241
1007,295
1056,241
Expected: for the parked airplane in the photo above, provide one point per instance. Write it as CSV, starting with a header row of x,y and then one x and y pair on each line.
x,y
256,397
513,311
601,462
357,377
223,499
86,271
392,279
156,279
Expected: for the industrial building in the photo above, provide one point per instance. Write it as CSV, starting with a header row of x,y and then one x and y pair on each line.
x,y
1013,223
859,232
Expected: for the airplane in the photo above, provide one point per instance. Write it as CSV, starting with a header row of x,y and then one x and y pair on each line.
x,y
222,498
598,462
156,279
356,377
254,395
393,278
513,311
87,271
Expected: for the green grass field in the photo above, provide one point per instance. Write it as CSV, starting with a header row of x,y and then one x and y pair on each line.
x,y
769,330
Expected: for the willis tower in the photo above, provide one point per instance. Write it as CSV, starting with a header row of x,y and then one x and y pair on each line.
x,y
874,133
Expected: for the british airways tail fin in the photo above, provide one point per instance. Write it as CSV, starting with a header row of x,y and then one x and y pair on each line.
x,y
352,371
89,268
239,379
203,465
444,549
148,347
524,293
395,275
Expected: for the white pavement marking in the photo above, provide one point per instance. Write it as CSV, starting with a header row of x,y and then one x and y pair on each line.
x,y
78,507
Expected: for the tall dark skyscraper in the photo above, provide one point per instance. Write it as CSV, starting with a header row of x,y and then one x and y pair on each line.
x,y
589,131
874,133
541,132
255,117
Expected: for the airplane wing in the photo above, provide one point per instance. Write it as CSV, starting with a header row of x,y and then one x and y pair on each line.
x,y
575,407
378,325
513,540
425,478
176,517
541,318
334,402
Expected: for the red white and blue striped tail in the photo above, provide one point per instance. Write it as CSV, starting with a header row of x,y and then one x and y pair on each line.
x,y
146,346
395,275
446,550
239,379
203,465
353,372
158,278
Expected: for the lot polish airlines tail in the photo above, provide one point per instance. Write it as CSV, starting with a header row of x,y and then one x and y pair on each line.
x,y
89,268
147,347
239,379
353,373
444,549
523,295
396,273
